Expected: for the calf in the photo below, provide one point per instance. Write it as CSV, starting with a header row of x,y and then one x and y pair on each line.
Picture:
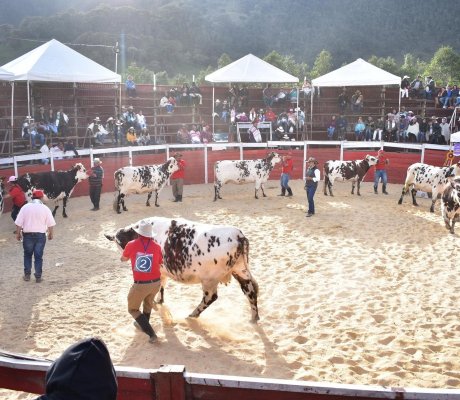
x,y
429,179
199,253
57,185
144,179
353,171
245,171
450,204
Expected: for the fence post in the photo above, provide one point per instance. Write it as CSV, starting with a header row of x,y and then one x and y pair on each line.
x,y
422,156
130,153
205,149
169,382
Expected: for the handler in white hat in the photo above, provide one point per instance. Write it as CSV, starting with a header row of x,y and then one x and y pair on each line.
x,y
146,258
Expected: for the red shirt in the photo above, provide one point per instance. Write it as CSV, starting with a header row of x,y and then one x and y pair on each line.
x,y
17,196
382,162
146,258
180,173
288,166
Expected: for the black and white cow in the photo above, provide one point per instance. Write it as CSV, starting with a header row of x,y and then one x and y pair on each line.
x,y
450,204
199,253
2,193
430,179
142,179
57,185
353,171
245,171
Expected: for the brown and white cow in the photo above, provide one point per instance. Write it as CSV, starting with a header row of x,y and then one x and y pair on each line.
x,y
430,179
199,253
142,179
244,171
450,204
353,171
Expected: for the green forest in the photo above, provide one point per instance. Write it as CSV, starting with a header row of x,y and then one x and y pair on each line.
x,y
179,38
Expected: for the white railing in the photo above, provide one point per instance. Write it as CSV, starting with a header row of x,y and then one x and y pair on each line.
x,y
271,145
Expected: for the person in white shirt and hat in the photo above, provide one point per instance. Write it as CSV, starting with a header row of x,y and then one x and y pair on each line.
x,y
146,257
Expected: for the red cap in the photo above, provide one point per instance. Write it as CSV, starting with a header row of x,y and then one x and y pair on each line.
x,y
37,194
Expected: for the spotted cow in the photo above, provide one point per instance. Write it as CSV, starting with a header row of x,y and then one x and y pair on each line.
x,y
244,171
2,193
199,253
450,204
353,171
430,179
143,179
57,185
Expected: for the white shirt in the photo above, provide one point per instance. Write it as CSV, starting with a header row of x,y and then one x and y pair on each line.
x,y
35,217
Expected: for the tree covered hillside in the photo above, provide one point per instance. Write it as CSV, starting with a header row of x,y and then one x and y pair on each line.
x,y
189,35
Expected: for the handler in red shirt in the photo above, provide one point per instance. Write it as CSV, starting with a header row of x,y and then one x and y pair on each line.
x,y
177,179
287,165
146,258
17,196
381,172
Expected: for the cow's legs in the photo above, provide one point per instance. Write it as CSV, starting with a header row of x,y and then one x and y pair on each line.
x,y
326,180
358,185
148,199
64,205
156,199
353,184
414,193
217,187
122,201
209,297
56,206
255,193
250,289
263,192
328,185
161,292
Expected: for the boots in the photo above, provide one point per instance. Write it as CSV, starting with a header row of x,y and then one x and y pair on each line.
x,y
289,192
179,198
384,189
143,322
375,190
283,192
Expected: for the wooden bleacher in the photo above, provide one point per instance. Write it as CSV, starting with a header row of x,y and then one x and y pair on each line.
x,y
83,102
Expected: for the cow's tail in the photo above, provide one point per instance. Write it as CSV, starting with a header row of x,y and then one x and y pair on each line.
x,y
245,252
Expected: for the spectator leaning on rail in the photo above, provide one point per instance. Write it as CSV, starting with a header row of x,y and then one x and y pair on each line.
x,y
84,371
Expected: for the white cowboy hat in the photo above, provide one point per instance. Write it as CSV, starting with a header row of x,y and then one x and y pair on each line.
x,y
97,161
144,229
280,129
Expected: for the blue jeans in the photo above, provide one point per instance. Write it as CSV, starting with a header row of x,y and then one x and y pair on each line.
x,y
284,180
310,195
380,174
33,244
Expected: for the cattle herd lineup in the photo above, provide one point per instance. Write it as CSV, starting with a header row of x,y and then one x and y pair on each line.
x,y
211,254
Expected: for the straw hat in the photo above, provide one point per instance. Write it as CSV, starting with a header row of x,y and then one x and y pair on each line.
x,y
144,229
313,160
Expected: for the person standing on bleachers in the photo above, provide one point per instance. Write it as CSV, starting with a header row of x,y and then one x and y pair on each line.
x,y
130,87
62,121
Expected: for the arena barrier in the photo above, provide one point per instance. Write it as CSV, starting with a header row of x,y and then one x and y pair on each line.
x,y
200,158
172,382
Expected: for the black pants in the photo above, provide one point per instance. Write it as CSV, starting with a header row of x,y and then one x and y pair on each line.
x,y
15,212
95,195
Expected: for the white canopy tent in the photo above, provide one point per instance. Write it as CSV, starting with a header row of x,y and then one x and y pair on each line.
x,y
55,62
248,69
357,73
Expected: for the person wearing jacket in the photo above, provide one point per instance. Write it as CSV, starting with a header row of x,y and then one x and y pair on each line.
x,y
84,371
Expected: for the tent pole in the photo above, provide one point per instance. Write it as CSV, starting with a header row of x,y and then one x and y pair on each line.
x,y
28,98
213,102
12,119
311,111
399,103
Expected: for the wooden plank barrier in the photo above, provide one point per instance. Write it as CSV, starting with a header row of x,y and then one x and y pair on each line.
x,y
172,382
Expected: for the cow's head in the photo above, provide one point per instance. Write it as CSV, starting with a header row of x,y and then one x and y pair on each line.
x,y
371,160
273,157
80,170
171,165
456,169
122,236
